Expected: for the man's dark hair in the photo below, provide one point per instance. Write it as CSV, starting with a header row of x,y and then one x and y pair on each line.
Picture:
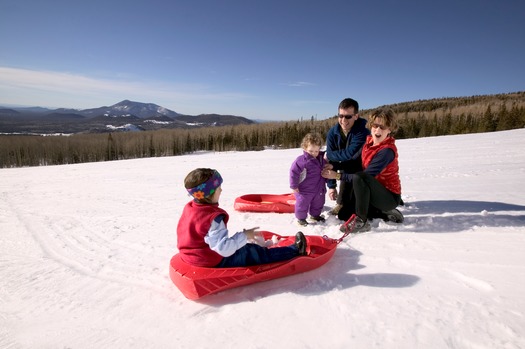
x,y
349,102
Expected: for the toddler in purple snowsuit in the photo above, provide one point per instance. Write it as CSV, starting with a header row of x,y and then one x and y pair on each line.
x,y
306,181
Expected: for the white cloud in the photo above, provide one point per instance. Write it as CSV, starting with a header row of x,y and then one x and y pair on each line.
x,y
50,88
300,84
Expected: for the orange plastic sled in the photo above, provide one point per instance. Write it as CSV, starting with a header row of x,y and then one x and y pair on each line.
x,y
280,203
196,282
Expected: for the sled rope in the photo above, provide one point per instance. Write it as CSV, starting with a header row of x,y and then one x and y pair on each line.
x,y
349,226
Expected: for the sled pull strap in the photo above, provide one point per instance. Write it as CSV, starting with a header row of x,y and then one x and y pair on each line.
x,y
346,228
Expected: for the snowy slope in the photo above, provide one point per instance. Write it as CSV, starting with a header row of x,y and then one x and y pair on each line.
x,y
84,254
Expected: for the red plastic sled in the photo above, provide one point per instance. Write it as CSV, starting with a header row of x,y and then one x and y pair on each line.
x,y
280,203
196,282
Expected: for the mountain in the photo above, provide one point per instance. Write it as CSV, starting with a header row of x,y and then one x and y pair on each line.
x,y
127,107
6,111
123,116
214,119
37,110
116,118
56,116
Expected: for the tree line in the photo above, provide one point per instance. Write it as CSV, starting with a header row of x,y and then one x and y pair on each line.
x,y
416,119
17,150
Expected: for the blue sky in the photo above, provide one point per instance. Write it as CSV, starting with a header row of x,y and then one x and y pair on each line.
x,y
273,60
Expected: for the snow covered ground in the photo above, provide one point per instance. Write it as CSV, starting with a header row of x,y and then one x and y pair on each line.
x,y
85,250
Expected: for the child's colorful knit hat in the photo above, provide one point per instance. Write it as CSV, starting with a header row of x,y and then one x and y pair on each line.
x,y
207,188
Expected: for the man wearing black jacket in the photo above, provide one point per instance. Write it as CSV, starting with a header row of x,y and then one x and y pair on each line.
x,y
343,148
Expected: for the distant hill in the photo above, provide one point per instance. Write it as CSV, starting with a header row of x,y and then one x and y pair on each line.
x,y
215,119
126,107
5,111
123,116
459,115
62,116
476,105
417,118
127,118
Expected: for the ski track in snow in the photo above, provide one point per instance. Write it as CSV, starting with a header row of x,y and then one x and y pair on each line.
x,y
92,253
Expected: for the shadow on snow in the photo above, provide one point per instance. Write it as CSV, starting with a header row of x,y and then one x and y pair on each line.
x,y
332,276
460,215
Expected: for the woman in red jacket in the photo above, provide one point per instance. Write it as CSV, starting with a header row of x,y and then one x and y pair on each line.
x,y
378,186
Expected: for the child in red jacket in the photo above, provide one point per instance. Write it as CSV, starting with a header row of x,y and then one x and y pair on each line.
x,y
202,234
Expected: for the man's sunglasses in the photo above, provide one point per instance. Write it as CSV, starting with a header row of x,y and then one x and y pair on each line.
x,y
348,116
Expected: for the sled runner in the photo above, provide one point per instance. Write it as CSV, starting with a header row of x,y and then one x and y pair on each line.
x,y
196,282
280,203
